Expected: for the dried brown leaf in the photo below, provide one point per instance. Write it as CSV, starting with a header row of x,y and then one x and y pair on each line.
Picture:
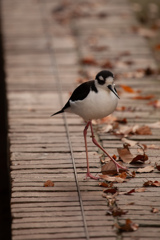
x,y
48,183
129,142
125,154
155,103
116,212
154,210
145,169
89,61
151,184
127,89
147,97
112,179
158,167
110,169
144,130
139,158
140,190
129,226
106,185
111,190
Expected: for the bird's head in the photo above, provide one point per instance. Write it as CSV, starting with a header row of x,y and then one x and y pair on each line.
x,y
105,80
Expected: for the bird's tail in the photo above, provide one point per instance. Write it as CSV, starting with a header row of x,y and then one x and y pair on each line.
x,y
57,112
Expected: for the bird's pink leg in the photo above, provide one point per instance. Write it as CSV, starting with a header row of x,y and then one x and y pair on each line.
x,y
118,166
85,140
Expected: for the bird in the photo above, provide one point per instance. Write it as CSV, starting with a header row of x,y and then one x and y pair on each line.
x,y
94,99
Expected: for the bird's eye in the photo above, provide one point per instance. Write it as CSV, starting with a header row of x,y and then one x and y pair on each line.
x,y
101,78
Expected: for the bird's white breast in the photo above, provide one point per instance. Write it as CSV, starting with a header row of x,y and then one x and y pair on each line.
x,y
95,105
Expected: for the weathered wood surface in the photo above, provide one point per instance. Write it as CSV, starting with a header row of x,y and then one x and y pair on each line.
x,y
42,59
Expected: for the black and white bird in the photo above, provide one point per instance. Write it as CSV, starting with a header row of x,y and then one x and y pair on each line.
x,y
94,99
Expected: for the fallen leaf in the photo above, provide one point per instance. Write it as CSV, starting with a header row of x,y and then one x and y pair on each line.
x,y
125,154
152,184
139,97
145,169
129,226
153,146
131,203
144,130
129,142
115,212
140,190
123,108
110,169
127,88
155,103
112,179
110,190
130,192
139,158
89,61
106,185
122,121
158,167
107,64
48,183
157,47
154,210
123,175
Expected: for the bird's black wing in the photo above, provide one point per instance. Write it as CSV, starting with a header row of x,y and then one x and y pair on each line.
x,y
80,93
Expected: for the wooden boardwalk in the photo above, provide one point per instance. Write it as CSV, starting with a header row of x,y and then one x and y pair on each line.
x,y
44,44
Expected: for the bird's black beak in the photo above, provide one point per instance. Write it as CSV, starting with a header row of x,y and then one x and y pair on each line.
x,y
113,90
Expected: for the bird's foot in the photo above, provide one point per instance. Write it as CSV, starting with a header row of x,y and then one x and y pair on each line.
x,y
88,174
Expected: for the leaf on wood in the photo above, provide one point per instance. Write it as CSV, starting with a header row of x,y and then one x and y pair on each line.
x,y
115,212
108,119
129,226
107,128
123,175
151,184
153,146
144,130
154,125
140,189
125,154
158,167
107,64
111,190
122,108
112,179
110,169
48,183
139,158
128,142
122,121
131,203
146,169
89,61
154,210
155,103
106,185
127,88
157,47
131,174
147,97
130,192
